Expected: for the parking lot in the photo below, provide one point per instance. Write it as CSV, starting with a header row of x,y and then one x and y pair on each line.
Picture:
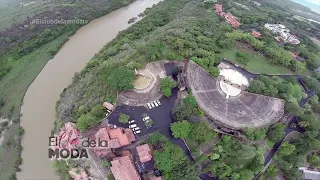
x,y
161,115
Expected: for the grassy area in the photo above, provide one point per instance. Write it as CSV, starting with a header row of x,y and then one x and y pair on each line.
x,y
244,162
270,143
15,84
13,12
13,88
293,135
256,63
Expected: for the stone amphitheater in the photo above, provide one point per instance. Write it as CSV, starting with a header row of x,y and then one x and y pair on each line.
x,y
235,112
139,97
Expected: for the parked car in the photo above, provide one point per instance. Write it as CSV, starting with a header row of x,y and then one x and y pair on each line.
x,y
132,121
137,128
158,101
156,104
136,132
152,105
149,106
146,118
132,126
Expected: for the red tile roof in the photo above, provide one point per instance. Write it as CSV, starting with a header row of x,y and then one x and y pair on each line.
x,y
144,153
123,168
293,55
108,105
218,8
256,34
125,136
228,17
115,138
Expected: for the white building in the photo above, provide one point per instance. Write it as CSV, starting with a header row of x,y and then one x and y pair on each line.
x,y
309,175
283,32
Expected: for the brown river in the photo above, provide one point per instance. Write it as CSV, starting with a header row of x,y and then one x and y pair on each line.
x,y
38,110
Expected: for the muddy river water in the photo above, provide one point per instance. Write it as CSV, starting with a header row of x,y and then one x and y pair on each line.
x,y
38,110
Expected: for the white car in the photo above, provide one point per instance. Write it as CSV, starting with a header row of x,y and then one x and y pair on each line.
x,y
152,105
136,129
158,101
132,121
136,132
149,106
146,118
132,126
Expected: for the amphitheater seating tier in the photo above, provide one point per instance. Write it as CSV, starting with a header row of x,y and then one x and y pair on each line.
x,y
245,110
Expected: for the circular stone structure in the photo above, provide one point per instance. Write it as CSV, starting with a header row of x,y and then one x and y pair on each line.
x,y
232,82
141,82
241,111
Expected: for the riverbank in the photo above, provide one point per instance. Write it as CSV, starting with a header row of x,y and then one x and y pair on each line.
x,y
40,99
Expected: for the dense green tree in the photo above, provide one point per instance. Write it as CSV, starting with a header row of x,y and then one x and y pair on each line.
x,y
202,132
235,176
186,171
272,171
294,108
314,100
169,157
215,72
246,174
276,132
257,164
181,129
214,156
314,160
187,108
123,118
270,91
256,86
121,78
242,58
86,120
286,149
166,85
255,134
154,50
1,103
98,111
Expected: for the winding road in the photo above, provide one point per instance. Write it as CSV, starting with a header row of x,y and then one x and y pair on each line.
x,y
293,119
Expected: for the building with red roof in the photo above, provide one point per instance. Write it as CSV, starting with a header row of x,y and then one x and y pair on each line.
x,y
293,55
229,18
123,168
114,137
256,34
68,136
144,153
218,9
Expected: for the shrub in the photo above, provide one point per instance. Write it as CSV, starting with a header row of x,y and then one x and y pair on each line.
x,y
123,118
86,120
181,129
166,85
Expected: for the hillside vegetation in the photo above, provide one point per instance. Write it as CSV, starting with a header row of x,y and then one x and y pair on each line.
x,y
189,29
24,50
